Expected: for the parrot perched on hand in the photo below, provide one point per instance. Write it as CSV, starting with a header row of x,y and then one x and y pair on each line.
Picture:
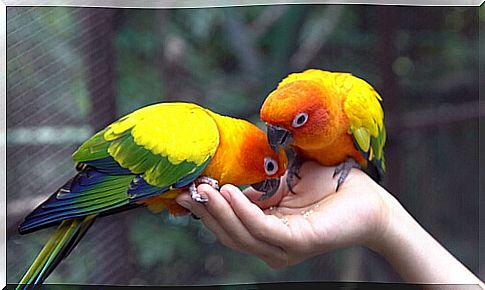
x,y
147,158
333,118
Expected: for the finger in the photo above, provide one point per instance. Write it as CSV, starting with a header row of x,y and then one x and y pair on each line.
x,y
267,228
186,201
268,255
220,209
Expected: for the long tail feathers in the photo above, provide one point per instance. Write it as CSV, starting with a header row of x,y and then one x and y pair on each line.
x,y
61,243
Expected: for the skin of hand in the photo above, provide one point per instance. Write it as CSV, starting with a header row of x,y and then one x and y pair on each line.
x,y
290,228
294,227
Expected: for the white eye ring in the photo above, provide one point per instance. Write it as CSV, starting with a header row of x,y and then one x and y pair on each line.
x,y
300,120
270,166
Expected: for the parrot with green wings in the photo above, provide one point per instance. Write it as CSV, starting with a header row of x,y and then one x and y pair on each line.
x,y
147,158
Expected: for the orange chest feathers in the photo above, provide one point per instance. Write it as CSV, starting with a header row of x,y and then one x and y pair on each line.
x,y
335,152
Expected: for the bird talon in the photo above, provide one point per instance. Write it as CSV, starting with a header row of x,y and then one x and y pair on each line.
x,y
195,195
200,199
264,196
344,169
289,183
293,171
207,180
193,188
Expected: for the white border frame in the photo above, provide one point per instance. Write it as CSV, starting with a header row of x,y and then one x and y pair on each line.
x,y
139,4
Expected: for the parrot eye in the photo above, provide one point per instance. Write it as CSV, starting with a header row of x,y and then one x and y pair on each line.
x,y
270,166
300,120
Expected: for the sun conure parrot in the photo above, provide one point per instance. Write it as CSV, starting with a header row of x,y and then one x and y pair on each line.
x,y
333,118
147,158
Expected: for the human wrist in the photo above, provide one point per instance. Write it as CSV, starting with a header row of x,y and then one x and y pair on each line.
x,y
400,239
390,219
413,252
397,238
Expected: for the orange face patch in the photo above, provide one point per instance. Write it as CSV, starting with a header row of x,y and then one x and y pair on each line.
x,y
283,104
257,153
303,96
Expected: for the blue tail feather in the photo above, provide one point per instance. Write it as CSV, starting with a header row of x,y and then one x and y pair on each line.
x,y
88,192
33,224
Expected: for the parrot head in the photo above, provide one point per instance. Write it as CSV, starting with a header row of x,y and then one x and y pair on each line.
x,y
262,167
299,114
244,156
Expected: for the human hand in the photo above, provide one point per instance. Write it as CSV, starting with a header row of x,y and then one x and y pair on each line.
x,y
289,228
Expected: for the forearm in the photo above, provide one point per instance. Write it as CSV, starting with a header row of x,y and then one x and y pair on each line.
x,y
415,254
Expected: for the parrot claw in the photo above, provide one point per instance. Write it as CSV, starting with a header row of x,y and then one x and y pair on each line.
x,y
293,171
208,180
268,186
290,181
195,195
343,169
203,179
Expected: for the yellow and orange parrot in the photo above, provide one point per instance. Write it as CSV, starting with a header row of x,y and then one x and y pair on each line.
x,y
333,118
147,158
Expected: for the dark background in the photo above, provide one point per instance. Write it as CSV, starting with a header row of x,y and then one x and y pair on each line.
x,y
71,71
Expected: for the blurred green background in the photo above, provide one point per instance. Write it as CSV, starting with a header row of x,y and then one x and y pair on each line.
x,y
71,71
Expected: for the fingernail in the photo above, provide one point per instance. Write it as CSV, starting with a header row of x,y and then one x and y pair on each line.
x,y
185,204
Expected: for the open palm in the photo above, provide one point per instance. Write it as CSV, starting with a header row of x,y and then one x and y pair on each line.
x,y
289,228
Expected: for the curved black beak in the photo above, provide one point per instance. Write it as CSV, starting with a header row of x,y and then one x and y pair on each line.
x,y
268,186
278,136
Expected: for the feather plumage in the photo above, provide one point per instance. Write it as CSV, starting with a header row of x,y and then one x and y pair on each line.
x,y
345,117
147,158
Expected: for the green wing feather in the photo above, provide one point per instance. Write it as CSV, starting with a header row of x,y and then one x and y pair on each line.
x,y
167,144
164,142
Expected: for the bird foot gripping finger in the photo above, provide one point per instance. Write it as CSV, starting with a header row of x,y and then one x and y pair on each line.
x,y
343,169
193,188
291,181
293,171
195,195
208,180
